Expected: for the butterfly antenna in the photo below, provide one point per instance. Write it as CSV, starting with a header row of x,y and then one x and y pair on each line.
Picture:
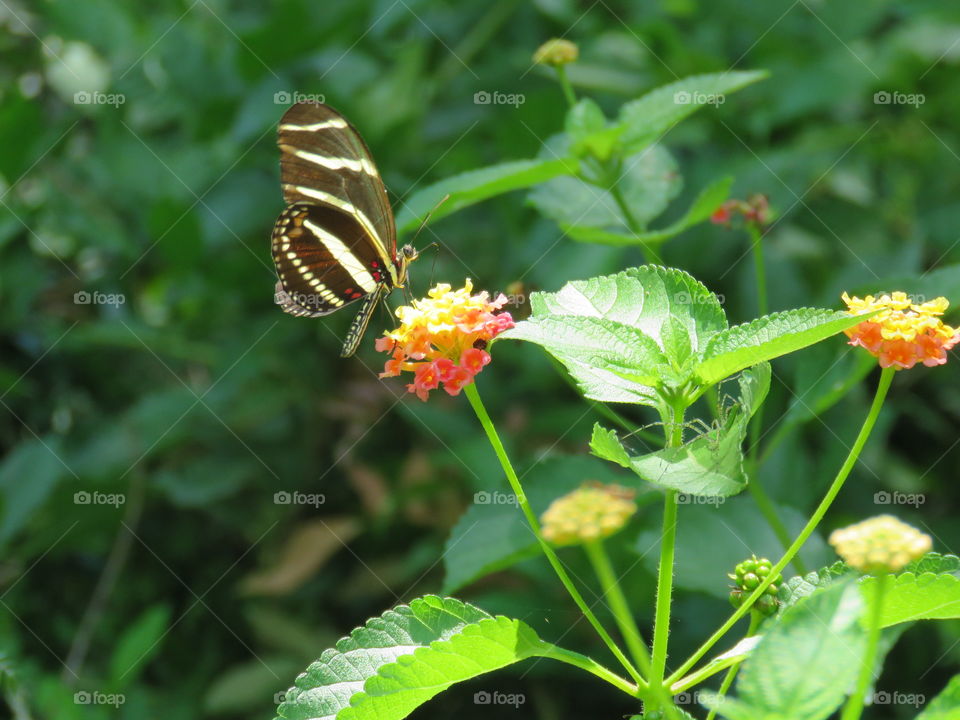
x,y
426,217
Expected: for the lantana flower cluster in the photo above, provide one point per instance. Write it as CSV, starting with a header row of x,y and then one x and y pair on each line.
x,y
591,512
748,575
903,332
881,544
442,338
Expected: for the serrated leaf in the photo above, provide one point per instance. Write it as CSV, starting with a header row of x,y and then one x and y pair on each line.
x,y
474,186
710,465
396,662
647,182
769,337
709,199
946,705
649,117
807,662
917,597
934,562
801,586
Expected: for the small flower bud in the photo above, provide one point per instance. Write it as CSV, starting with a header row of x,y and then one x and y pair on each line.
x,y
556,52
882,544
748,575
592,512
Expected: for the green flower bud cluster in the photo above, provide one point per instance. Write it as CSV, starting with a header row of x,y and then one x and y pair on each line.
x,y
748,575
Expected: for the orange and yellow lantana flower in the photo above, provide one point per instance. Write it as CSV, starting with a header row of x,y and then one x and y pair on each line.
x,y
442,338
903,332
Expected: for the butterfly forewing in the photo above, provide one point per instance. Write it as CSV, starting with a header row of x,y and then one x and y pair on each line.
x,y
325,161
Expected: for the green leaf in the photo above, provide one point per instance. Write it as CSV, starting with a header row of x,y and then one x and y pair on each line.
x,y
649,117
471,187
946,705
396,662
807,662
137,644
28,475
801,586
709,199
934,562
917,597
588,131
647,182
769,337
710,465
615,361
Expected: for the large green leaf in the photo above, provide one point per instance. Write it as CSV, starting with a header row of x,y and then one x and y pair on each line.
x,y
601,330
917,597
471,187
648,118
710,465
396,662
946,705
769,337
709,199
806,663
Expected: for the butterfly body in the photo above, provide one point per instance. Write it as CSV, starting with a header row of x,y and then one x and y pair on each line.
x,y
336,241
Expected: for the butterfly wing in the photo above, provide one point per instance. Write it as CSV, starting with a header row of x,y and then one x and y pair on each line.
x,y
324,161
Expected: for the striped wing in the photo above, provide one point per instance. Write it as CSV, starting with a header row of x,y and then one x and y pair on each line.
x,y
324,161
324,260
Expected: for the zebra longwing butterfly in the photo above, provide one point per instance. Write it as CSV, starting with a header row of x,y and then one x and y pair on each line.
x,y
336,241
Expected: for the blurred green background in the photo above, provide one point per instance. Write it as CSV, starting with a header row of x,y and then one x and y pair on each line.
x,y
143,359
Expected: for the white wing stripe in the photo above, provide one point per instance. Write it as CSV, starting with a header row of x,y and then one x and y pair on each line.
x,y
342,255
335,163
334,123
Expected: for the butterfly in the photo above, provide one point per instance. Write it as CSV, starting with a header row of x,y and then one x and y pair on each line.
x,y
336,240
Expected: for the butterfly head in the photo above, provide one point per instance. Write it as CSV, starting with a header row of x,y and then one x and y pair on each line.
x,y
408,253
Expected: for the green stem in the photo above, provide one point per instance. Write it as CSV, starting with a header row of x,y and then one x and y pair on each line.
x,y
477,404
759,268
591,666
568,92
755,620
854,706
619,606
886,377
